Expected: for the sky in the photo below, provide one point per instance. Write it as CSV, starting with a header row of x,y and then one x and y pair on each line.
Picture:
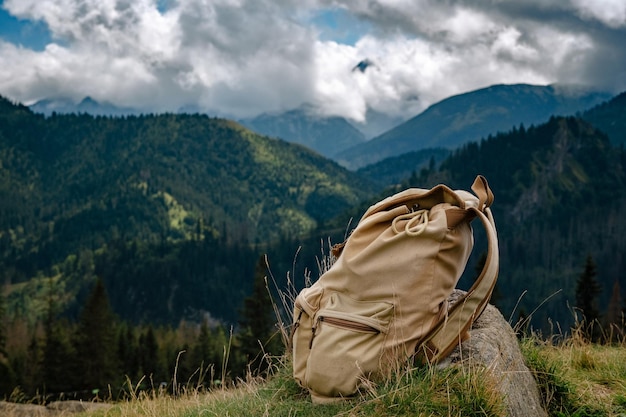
x,y
241,58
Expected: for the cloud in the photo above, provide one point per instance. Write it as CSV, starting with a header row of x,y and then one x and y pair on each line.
x,y
610,12
239,58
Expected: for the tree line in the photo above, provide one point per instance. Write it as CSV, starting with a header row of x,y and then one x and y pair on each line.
x,y
99,355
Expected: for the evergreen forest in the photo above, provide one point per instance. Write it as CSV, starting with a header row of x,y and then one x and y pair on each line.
x,y
147,251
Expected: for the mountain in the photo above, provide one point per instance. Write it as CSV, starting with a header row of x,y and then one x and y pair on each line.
x,y
609,117
560,191
471,116
174,211
168,207
214,168
376,123
395,169
86,105
326,135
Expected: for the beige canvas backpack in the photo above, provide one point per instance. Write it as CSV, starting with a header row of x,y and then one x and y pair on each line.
x,y
383,301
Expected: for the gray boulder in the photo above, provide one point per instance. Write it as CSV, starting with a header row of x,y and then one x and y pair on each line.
x,y
22,410
54,409
76,406
493,345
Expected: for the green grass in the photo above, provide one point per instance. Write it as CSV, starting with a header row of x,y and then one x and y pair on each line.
x,y
578,378
575,379
423,391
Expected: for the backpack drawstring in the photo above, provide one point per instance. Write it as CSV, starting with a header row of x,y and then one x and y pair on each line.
x,y
416,224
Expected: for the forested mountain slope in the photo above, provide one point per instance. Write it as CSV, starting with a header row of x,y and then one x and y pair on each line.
x,y
610,118
560,193
395,169
108,196
470,116
325,135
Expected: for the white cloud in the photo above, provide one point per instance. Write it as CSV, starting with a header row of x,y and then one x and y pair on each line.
x,y
243,57
609,12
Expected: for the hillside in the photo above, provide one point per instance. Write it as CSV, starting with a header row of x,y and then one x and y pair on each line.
x,y
132,198
395,169
326,135
470,116
208,168
609,118
171,216
560,188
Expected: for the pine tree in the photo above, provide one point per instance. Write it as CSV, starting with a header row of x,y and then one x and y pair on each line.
x,y
95,341
29,367
587,291
58,356
149,355
203,354
3,336
127,352
614,313
7,377
257,322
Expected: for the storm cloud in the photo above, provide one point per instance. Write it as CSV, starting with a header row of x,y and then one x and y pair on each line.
x,y
239,58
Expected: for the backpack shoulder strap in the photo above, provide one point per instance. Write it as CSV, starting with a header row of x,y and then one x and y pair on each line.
x,y
454,326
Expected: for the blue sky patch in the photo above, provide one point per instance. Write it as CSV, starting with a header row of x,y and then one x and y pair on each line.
x,y
27,33
338,25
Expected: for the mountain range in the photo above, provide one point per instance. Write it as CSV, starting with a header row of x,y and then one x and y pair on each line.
x,y
325,135
173,211
73,188
445,124
86,105
471,116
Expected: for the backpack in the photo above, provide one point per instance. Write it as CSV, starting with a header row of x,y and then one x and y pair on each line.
x,y
384,299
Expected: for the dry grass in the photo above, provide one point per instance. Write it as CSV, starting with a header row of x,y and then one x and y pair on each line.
x,y
578,378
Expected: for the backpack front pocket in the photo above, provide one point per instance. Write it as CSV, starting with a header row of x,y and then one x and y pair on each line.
x,y
348,337
304,309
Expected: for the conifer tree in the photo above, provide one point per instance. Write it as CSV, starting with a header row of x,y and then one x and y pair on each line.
x,y
95,341
203,353
127,352
587,291
257,321
614,313
3,336
29,366
57,373
149,355
6,374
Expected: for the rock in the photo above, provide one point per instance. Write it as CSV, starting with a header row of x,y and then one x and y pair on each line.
x,y
76,406
54,409
23,410
493,344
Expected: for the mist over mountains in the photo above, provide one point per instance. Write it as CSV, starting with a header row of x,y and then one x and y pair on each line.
x,y
446,124
325,135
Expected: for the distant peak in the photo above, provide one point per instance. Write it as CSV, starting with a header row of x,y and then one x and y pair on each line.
x,y
363,65
88,100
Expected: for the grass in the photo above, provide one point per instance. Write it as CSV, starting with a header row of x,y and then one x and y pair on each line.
x,y
577,378
421,391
